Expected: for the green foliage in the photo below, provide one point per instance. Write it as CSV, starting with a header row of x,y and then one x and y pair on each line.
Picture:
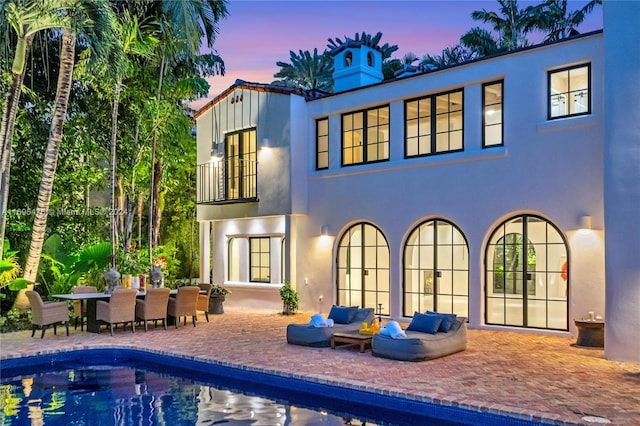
x,y
290,298
13,320
133,263
220,289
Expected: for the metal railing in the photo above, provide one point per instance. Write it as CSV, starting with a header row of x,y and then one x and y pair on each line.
x,y
229,180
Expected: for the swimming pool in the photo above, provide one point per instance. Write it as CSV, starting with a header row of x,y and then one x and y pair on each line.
x,y
335,405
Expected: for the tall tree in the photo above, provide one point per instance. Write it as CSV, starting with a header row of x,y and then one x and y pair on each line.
x,y
306,71
511,26
559,23
449,56
25,18
93,19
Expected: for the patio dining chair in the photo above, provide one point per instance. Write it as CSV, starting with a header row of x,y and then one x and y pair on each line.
x,y
184,304
203,299
46,314
121,308
80,306
153,307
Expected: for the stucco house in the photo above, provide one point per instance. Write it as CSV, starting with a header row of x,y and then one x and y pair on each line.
x,y
505,190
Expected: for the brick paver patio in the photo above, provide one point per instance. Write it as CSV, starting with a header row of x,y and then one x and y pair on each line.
x,y
516,374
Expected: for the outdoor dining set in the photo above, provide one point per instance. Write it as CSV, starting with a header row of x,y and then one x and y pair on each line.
x,y
121,306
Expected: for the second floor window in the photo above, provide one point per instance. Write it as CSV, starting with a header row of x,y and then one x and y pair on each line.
x,y
492,114
322,144
434,124
570,91
365,136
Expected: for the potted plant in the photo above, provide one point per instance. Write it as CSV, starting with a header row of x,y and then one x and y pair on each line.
x,y
290,299
217,297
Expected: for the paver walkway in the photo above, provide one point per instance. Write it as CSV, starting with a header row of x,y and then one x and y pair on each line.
x,y
516,374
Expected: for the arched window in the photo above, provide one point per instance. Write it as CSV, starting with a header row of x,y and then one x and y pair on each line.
x,y
363,268
348,59
526,275
436,269
370,59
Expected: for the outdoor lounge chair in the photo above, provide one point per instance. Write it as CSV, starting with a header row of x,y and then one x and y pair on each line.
x,y
121,308
306,335
153,307
184,304
46,314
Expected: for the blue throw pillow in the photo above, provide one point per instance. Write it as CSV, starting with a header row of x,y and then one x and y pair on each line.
x,y
343,314
425,323
448,321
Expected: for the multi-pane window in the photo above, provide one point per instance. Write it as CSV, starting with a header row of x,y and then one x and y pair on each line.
x,y
322,144
365,136
434,124
259,259
241,165
570,91
492,114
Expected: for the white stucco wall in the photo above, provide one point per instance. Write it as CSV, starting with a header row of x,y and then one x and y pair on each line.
x,y
622,179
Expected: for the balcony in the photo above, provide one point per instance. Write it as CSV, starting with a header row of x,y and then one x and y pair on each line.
x,y
232,180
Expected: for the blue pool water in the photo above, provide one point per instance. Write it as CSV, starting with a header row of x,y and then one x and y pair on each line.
x,y
129,387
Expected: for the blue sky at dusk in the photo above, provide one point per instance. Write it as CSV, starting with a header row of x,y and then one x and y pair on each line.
x,y
257,33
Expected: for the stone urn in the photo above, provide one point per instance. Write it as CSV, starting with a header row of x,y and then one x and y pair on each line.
x,y
155,276
215,304
112,278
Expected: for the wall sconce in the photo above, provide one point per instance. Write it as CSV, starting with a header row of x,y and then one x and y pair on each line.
x,y
324,230
265,144
215,155
585,223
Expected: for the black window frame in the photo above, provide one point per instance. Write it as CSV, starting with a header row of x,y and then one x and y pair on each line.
x,y
433,117
484,108
550,95
365,137
318,136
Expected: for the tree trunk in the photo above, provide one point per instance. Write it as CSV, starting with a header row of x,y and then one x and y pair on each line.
x,y
156,211
6,135
65,80
113,226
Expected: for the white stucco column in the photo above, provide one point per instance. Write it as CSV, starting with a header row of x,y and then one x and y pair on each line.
x,y
205,252
622,180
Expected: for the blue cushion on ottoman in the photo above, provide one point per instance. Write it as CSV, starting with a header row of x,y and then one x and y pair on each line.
x,y
343,314
425,323
448,320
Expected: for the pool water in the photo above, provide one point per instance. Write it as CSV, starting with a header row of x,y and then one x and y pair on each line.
x,y
132,387
129,396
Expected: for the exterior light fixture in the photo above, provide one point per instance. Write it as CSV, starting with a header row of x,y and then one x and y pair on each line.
x,y
324,230
215,155
265,144
585,223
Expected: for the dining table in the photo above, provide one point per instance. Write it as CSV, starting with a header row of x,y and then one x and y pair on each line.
x,y
93,325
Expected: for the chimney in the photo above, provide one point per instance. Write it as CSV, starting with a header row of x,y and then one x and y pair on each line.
x,y
356,65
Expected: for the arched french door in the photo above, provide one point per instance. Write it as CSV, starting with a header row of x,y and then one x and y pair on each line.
x,y
363,268
526,275
436,269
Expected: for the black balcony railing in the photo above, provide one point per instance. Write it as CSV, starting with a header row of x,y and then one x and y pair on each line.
x,y
227,181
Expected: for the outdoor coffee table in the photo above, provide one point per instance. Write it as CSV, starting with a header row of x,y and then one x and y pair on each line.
x,y
352,337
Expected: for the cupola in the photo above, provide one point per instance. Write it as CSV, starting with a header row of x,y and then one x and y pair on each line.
x,y
355,64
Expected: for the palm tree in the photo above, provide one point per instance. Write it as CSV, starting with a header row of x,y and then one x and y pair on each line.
x,y
450,56
93,18
558,22
511,26
306,71
183,25
25,18
133,39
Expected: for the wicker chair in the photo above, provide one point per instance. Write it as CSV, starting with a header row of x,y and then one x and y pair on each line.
x,y
121,308
203,299
153,307
46,314
80,306
184,304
